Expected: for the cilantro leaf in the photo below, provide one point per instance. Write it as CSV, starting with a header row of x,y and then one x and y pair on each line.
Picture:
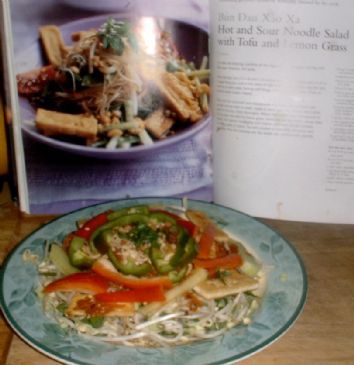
x,y
113,33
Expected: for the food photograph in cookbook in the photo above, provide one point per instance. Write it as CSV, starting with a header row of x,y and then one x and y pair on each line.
x,y
113,102
122,84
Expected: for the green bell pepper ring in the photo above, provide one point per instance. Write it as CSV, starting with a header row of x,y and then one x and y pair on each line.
x,y
177,275
185,252
139,209
80,254
129,267
103,241
181,244
120,221
190,252
156,256
162,217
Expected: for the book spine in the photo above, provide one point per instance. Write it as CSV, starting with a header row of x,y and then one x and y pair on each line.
x,y
11,114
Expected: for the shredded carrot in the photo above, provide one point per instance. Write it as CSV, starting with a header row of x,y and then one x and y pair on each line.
x,y
230,261
206,241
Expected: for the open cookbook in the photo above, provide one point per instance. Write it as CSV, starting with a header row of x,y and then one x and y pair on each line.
x,y
245,104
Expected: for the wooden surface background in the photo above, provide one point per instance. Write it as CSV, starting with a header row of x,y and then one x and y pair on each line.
x,y
323,334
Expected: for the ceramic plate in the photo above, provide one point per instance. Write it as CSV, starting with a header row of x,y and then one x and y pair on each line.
x,y
282,303
192,43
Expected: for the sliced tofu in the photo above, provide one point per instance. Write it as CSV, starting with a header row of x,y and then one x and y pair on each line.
x,y
53,44
84,305
158,124
55,123
178,94
82,34
233,283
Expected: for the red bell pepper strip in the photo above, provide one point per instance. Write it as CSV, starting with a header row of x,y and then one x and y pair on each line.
x,y
88,282
92,224
106,269
230,261
153,294
206,241
190,227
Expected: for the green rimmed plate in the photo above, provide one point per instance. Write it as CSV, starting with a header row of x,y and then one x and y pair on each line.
x,y
283,301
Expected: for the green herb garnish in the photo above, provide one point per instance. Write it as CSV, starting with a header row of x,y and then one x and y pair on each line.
x,y
142,233
114,32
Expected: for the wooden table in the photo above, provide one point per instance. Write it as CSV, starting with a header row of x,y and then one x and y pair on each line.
x,y
324,333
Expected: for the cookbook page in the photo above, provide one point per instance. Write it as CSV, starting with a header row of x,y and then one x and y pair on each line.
x,y
283,81
100,111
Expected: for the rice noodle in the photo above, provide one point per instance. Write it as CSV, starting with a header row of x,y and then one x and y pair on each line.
x,y
116,338
157,320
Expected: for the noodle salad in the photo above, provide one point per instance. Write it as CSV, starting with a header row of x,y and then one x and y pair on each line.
x,y
118,86
149,276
